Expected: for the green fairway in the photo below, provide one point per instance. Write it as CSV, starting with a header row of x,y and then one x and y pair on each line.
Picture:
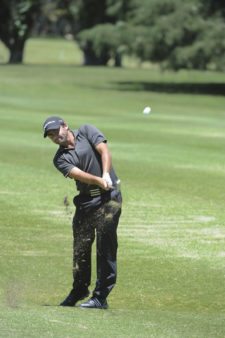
x,y
171,235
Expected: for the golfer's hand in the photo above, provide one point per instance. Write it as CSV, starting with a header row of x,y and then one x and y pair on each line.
x,y
103,184
108,180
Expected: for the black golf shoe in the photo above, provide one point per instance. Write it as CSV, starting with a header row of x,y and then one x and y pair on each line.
x,y
95,303
74,297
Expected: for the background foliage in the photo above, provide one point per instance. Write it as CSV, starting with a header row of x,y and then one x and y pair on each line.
x,y
171,33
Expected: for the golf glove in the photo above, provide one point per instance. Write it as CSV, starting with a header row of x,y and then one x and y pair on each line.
x,y
108,180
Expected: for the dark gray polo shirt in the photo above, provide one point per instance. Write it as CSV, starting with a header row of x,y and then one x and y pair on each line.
x,y
83,156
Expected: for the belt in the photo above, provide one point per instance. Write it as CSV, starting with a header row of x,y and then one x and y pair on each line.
x,y
95,192
98,191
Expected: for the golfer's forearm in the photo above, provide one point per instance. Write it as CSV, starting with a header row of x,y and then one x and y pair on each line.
x,y
84,177
106,158
106,162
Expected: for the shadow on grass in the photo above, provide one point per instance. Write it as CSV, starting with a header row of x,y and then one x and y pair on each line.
x,y
169,87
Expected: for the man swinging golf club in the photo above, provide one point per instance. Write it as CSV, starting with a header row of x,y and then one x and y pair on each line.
x,y
83,155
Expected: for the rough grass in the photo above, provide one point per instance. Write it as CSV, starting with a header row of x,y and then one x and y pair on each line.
x,y
171,235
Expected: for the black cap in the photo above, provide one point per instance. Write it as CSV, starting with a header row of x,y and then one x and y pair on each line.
x,y
51,123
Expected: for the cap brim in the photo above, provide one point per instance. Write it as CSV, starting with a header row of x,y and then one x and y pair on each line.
x,y
55,126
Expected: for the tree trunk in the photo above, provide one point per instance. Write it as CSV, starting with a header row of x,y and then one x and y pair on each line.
x,y
118,60
16,51
91,59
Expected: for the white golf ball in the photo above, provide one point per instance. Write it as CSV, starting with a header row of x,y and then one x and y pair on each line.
x,y
147,110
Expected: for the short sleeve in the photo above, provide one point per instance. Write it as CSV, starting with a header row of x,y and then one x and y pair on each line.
x,y
94,135
62,164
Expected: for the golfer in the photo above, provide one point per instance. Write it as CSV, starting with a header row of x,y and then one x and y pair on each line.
x,y
83,156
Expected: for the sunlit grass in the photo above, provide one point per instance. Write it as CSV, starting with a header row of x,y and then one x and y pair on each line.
x,y
171,235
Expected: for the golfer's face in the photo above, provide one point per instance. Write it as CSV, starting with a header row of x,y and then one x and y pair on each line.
x,y
59,136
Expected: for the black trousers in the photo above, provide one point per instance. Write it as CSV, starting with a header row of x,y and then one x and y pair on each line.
x,y
103,223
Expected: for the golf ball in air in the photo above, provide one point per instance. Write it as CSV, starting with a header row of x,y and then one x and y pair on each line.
x,y
147,110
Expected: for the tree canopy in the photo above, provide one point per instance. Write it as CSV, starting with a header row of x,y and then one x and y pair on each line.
x,y
17,18
172,33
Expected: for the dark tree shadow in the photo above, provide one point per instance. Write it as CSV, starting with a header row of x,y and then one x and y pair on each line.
x,y
169,87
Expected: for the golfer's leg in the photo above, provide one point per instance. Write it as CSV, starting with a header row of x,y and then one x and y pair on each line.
x,y
107,249
83,234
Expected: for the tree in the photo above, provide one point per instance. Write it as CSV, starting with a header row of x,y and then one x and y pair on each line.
x,y
16,22
177,34
105,42
86,14
98,28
